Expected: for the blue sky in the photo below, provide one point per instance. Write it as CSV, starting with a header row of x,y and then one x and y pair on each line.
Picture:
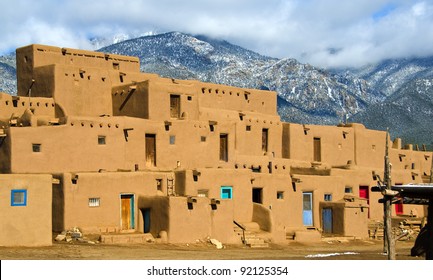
x,y
320,32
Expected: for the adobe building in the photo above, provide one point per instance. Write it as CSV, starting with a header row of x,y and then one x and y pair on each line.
x,y
91,142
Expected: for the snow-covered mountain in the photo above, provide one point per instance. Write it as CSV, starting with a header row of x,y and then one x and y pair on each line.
x,y
307,94
394,94
8,80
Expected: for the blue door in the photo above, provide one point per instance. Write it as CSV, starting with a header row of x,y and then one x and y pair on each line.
x,y
146,219
327,220
307,208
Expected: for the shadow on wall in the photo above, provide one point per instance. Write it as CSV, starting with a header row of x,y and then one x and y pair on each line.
x,y
263,217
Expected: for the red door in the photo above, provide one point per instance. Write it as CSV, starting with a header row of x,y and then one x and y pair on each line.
x,y
363,193
399,208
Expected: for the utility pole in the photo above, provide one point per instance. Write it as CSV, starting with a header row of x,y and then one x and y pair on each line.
x,y
429,245
389,242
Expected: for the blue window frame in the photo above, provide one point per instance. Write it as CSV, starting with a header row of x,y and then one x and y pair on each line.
x,y
18,197
226,192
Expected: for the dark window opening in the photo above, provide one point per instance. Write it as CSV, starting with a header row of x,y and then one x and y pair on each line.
x,y
280,195
257,195
101,140
159,184
36,148
248,128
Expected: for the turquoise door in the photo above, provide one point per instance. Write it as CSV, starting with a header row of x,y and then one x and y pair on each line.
x,y
146,219
307,208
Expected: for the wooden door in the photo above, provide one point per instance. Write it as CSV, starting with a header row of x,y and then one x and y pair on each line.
x,y
399,208
363,193
317,150
224,147
127,211
264,140
175,106
150,150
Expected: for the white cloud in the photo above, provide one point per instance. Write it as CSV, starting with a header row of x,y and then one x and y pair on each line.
x,y
320,32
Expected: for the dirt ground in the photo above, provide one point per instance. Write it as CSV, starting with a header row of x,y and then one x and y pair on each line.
x,y
326,250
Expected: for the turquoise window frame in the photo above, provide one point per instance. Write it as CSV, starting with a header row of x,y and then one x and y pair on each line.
x,y
226,192
24,202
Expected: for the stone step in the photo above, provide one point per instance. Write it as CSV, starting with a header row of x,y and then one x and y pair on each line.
x,y
254,241
136,238
260,245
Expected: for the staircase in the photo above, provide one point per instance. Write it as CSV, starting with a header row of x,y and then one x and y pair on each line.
x,y
248,232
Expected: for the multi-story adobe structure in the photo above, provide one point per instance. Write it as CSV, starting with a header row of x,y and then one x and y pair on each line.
x,y
91,142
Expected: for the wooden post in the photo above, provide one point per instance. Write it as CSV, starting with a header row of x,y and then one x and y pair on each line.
x,y
389,242
429,245
429,239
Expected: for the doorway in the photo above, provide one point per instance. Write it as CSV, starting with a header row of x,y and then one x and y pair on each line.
x,y
174,106
363,193
327,220
307,208
127,211
150,150
258,195
146,219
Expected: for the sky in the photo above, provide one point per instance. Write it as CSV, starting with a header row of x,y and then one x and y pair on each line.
x,y
324,33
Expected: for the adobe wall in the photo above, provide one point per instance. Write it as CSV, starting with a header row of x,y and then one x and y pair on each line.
x,y
29,224
210,181
13,107
29,58
200,221
337,143
237,99
77,188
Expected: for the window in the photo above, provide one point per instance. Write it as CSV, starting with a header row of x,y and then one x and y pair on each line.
x,y
226,192
101,140
203,138
202,193
94,202
36,148
248,128
348,190
280,195
327,197
224,147
19,198
159,184
172,139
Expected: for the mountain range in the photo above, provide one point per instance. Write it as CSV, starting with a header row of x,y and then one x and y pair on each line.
x,y
394,94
